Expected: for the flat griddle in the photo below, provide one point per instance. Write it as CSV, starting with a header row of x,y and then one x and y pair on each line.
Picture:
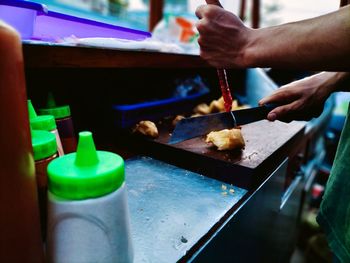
x,y
267,144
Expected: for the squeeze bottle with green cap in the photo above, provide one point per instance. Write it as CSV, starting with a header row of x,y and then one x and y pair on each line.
x,y
45,150
64,123
88,217
44,123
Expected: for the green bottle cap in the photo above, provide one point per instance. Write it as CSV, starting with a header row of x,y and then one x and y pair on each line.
x,y
51,102
58,112
43,122
87,173
44,144
31,110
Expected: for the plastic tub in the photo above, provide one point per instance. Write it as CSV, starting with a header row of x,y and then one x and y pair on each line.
x,y
21,15
33,21
128,115
53,25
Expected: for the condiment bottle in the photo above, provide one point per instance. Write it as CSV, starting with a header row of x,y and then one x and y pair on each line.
x,y
19,221
64,123
45,123
88,219
45,150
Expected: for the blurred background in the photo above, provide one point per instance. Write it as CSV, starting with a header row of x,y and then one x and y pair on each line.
x,y
135,13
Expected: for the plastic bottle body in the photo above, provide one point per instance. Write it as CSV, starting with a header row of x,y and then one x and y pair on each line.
x,y
41,180
66,130
19,221
92,230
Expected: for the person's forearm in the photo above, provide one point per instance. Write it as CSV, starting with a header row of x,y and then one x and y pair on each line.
x,y
322,43
329,82
341,81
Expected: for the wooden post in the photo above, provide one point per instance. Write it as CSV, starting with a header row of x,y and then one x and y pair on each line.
x,y
343,3
256,14
155,13
242,10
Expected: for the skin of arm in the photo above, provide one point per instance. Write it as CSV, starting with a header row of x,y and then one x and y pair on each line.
x,y
321,43
305,98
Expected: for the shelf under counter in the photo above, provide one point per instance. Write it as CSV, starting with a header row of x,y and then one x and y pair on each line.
x,y
61,56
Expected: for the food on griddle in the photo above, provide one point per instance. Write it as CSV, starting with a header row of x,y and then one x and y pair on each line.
x,y
177,119
234,105
146,128
217,105
196,115
226,139
202,108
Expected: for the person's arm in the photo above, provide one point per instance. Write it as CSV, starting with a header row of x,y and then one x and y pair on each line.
x,y
321,43
304,99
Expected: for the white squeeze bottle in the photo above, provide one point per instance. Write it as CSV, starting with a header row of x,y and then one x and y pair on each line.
x,y
88,217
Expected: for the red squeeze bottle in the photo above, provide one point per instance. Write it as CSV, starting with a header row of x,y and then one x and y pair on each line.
x,y
64,123
19,221
225,89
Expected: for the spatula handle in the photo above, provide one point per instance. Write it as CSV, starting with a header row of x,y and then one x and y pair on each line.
x,y
225,89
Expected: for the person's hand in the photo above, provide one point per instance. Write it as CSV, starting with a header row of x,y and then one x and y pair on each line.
x,y
302,99
222,36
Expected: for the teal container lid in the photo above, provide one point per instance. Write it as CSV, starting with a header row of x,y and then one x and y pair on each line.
x,y
44,144
87,173
59,112
43,122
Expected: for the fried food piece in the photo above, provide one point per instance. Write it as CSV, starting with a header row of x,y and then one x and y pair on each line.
x,y
242,107
202,108
234,105
217,105
196,115
226,139
147,128
177,119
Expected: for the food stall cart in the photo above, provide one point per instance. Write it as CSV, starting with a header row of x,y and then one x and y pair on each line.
x,y
187,202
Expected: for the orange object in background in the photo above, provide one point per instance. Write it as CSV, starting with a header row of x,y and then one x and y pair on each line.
x,y
20,239
187,29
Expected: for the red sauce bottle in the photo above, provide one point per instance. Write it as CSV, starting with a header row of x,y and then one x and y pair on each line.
x,y
45,150
64,123
19,221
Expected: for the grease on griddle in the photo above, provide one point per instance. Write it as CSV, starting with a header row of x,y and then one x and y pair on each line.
x,y
249,156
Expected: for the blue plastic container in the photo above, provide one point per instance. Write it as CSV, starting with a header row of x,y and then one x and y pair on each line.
x,y
21,15
34,21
